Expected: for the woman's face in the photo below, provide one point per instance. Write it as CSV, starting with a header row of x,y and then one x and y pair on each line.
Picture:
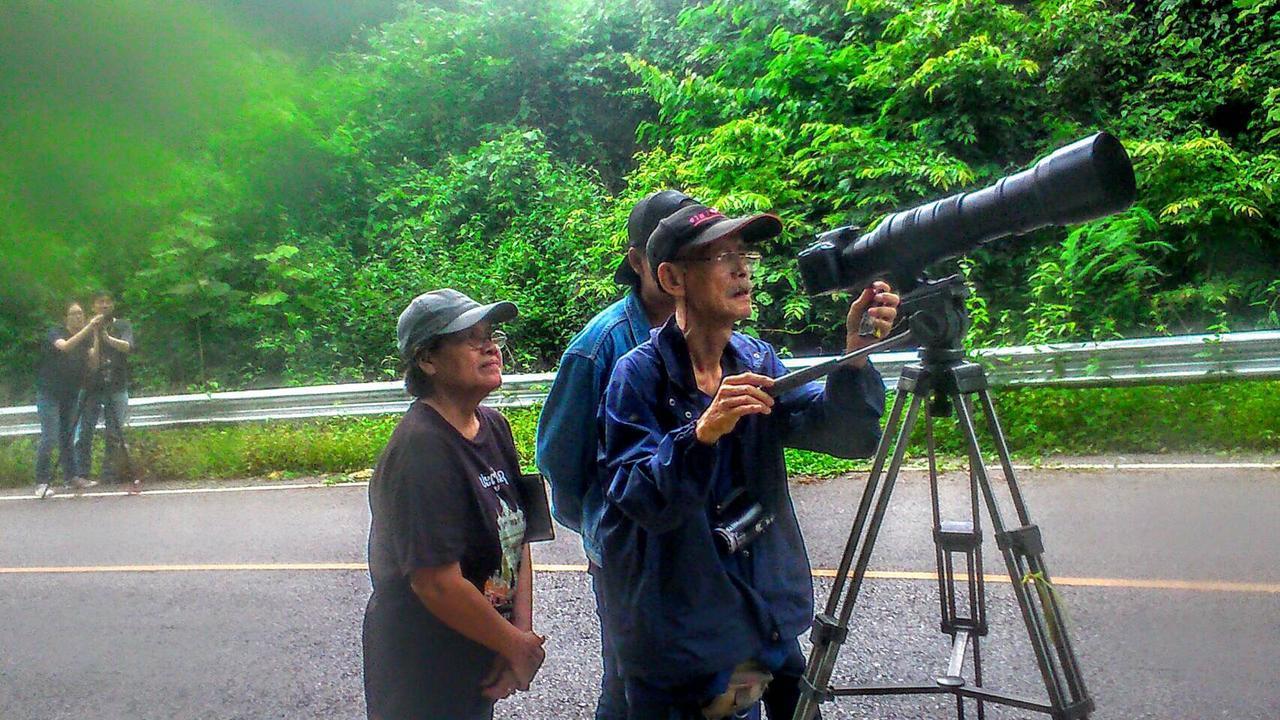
x,y
465,362
75,318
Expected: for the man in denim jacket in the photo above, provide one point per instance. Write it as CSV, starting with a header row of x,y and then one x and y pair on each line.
x,y
687,424
567,442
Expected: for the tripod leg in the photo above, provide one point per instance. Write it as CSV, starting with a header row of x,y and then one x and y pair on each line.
x,y
941,560
868,496
977,587
1054,612
828,631
1022,551
959,542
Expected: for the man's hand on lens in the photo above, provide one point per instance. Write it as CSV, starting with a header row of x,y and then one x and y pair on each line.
x,y
97,321
737,396
877,302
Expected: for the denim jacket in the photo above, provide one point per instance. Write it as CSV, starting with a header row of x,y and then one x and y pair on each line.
x,y
680,607
567,442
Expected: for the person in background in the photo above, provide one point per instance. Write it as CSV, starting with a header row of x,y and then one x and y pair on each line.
x,y
64,355
106,393
449,628
705,573
566,439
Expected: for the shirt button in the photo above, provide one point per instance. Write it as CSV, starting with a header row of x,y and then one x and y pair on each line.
x,y
746,553
774,636
688,414
671,402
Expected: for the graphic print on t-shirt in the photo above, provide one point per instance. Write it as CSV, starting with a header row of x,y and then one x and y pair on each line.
x,y
500,588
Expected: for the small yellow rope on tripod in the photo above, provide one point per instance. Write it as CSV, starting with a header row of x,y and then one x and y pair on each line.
x,y
1050,599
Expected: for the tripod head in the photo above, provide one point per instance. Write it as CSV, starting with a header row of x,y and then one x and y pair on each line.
x,y
938,319
936,315
935,318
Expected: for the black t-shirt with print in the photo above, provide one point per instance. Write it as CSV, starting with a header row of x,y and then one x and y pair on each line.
x,y
437,498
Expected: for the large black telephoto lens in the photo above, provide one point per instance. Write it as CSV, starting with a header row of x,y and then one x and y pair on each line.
x,y
1087,179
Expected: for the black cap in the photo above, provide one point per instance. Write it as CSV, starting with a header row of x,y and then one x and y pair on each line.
x,y
698,225
644,217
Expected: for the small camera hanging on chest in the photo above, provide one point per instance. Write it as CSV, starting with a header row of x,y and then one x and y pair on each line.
x,y
1088,179
739,521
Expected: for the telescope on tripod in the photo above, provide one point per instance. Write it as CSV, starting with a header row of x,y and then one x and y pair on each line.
x,y
1088,179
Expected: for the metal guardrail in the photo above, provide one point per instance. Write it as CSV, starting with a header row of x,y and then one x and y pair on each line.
x,y
1168,360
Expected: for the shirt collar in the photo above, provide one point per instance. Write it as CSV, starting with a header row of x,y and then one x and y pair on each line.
x,y
637,318
670,343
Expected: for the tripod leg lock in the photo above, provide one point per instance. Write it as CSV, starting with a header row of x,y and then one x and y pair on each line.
x,y
1025,540
819,695
1076,710
827,630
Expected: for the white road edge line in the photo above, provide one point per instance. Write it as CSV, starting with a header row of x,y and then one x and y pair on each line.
x,y
308,486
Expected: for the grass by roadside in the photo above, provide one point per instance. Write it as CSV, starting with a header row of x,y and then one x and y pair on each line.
x,y
1213,418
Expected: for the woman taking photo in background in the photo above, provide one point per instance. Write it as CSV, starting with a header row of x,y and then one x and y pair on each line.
x,y
60,377
448,630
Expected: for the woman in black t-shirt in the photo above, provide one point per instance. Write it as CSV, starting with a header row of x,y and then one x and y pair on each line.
x,y
448,630
59,379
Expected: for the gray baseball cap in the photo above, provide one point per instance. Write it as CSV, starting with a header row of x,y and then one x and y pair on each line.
x,y
441,312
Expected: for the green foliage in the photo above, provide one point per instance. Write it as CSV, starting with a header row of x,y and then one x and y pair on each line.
x,y
504,220
266,203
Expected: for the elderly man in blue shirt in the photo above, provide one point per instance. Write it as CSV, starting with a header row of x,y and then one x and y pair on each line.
x,y
566,441
692,443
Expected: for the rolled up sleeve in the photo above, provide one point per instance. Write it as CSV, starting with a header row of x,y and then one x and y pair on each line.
x,y
842,419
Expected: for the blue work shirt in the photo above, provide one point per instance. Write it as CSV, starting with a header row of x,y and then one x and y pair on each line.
x,y
567,443
679,607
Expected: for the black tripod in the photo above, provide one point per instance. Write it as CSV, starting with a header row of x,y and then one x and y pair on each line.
x,y
938,321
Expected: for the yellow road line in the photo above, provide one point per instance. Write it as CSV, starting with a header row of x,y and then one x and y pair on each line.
x,y
1124,583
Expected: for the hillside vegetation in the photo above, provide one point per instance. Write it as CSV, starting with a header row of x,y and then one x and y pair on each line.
x,y
264,202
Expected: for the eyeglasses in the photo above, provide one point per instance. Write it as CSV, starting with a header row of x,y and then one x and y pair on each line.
x,y
477,338
731,260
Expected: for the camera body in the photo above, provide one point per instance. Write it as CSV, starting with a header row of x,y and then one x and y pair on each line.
x,y
740,519
109,372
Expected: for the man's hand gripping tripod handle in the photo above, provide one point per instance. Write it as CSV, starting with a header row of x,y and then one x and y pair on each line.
x,y
793,380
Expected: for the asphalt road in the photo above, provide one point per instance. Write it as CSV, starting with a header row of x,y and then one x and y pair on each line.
x,y
248,604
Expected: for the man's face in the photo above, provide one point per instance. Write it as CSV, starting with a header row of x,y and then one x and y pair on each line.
x,y
104,306
718,281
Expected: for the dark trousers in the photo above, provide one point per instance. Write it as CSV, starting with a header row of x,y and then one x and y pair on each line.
x,y
779,701
113,407
57,425
416,669
612,703
783,694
